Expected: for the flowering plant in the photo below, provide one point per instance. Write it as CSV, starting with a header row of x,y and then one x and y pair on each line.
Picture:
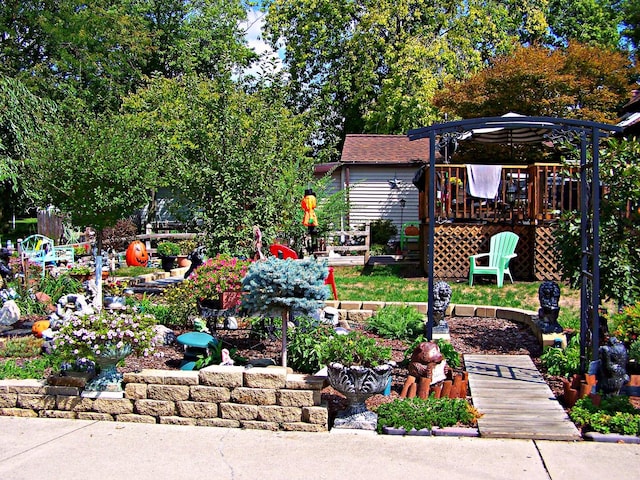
x,y
218,275
89,336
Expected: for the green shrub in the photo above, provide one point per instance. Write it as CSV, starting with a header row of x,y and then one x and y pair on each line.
x,y
182,304
303,345
634,351
168,249
37,368
417,413
449,353
615,414
562,362
353,348
400,322
21,347
382,231
626,324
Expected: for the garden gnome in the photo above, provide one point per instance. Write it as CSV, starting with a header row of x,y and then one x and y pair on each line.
x,y
426,367
549,294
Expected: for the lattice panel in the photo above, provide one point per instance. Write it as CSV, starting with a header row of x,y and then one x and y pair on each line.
x,y
455,243
546,266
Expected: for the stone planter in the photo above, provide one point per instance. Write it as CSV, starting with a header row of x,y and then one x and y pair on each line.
x,y
357,384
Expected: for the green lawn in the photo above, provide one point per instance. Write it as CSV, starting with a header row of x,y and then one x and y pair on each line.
x,y
396,283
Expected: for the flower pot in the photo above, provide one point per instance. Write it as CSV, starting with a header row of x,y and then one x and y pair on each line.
x,y
225,301
357,384
167,263
183,261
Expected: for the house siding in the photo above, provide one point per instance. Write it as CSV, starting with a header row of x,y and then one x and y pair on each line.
x,y
371,196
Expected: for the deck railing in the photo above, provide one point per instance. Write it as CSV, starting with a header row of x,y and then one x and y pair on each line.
x,y
526,193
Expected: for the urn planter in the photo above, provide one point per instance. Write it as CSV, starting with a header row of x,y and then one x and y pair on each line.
x,y
357,384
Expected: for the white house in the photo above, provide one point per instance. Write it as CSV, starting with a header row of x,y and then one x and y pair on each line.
x,y
379,170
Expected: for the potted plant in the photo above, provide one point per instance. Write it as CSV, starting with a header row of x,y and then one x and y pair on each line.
x,y
80,272
186,247
167,251
217,283
358,367
107,338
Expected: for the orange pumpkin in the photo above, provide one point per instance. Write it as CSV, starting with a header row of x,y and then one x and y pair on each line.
x,y
39,327
137,255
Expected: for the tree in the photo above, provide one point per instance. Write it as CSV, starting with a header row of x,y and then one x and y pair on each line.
x,y
93,170
590,22
88,56
374,66
23,119
631,23
237,154
577,82
619,226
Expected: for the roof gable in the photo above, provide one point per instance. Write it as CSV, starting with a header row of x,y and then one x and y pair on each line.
x,y
394,149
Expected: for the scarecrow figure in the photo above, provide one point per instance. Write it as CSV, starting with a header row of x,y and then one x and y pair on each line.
x,y
310,219
309,204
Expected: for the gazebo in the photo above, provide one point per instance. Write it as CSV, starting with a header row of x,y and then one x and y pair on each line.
x,y
514,129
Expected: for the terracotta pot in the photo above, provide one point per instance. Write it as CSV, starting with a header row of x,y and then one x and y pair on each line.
x,y
183,261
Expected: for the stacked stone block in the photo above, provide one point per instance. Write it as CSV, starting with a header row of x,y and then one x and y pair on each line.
x,y
219,396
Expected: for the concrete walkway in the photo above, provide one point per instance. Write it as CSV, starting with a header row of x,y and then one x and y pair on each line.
x,y
51,449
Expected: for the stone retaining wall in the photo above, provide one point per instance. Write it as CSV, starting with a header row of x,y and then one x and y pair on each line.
x,y
217,396
220,396
355,312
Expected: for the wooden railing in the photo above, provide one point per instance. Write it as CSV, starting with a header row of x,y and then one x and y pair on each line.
x,y
526,193
326,244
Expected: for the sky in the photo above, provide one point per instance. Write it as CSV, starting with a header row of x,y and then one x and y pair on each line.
x,y
253,27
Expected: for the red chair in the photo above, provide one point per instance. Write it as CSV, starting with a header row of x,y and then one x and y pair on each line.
x,y
283,252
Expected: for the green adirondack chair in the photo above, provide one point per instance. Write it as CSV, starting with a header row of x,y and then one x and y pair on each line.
x,y
501,250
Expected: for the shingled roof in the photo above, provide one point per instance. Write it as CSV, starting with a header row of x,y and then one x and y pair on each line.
x,y
380,149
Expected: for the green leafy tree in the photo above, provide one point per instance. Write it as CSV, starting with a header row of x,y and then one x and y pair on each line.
x,y
237,154
591,22
93,170
23,119
619,226
375,66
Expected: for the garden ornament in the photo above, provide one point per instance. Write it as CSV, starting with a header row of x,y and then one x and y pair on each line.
x,y
197,258
427,366
136,255
257,243
309,204
549,295
441,299
9,313
6,271
612,374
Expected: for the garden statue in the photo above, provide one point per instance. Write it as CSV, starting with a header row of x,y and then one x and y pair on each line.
x,y
197,258
441,299
427,366
612,374
549,294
